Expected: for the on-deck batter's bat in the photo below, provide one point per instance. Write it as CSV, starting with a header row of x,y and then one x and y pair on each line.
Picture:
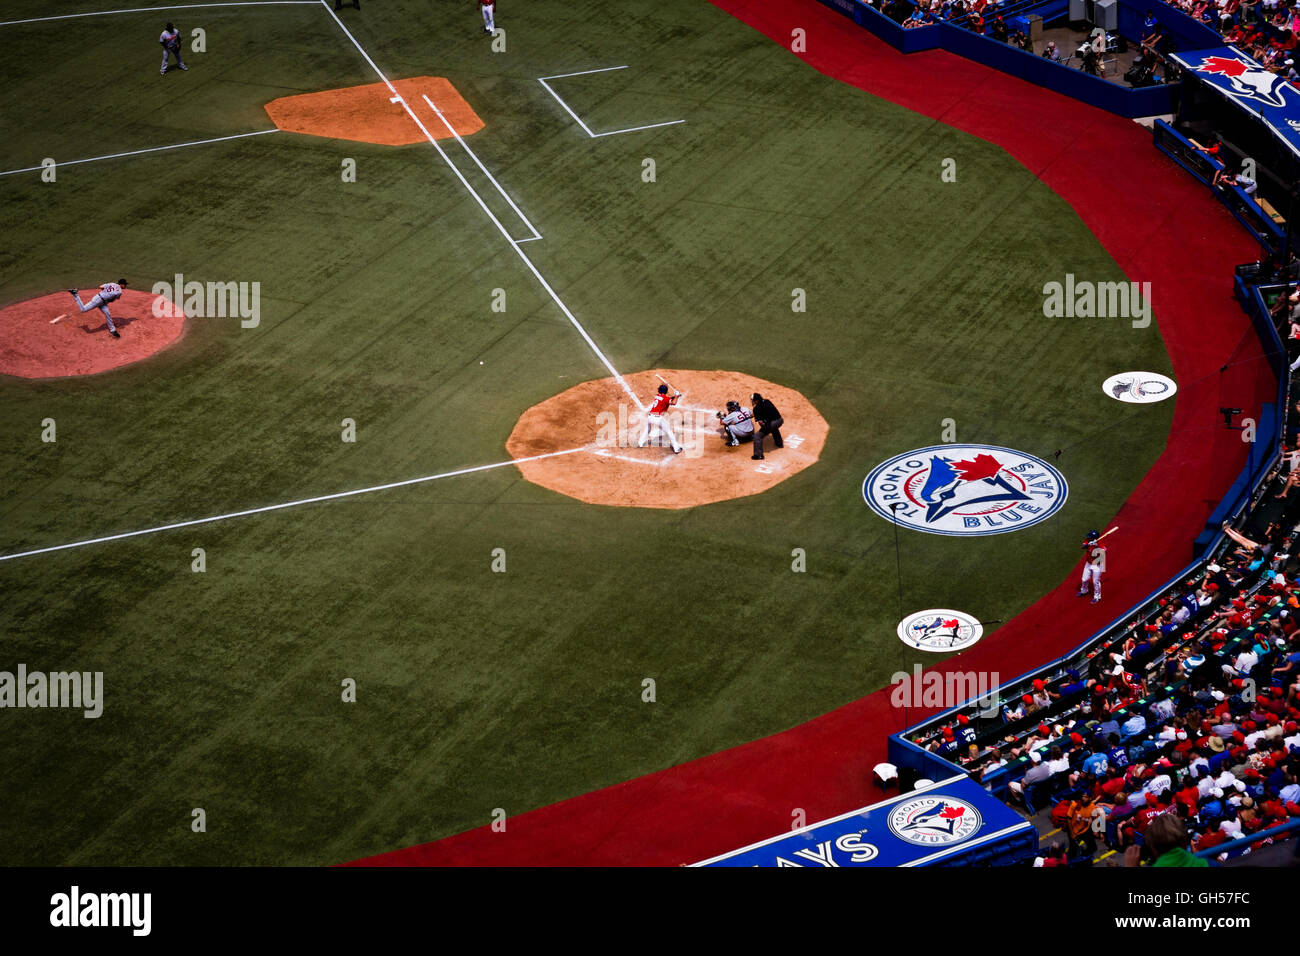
x,y
57,317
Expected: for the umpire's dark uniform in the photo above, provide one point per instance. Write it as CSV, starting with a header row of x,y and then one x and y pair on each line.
x,y
770,422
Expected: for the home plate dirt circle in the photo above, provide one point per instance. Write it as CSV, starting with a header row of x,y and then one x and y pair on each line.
x,y
600,419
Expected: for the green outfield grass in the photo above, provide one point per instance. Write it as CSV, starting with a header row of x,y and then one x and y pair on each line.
x,y
479,690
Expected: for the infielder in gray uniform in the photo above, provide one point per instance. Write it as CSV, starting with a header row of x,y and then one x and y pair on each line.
x,y
171,44
108,292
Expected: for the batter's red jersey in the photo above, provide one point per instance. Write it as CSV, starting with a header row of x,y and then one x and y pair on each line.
x,y
661,404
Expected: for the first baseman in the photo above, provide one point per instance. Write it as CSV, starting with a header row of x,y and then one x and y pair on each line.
x,y
171,44
654,419
108,292
489,8
1094,564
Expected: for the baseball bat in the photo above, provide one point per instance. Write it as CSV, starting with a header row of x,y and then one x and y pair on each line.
x,y
57,317
666,382
1111,531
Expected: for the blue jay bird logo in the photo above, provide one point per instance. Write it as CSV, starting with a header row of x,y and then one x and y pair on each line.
x,y
951,485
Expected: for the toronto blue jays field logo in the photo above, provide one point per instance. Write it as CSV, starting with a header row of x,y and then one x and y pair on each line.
x,y
965,489
934,821
1246,79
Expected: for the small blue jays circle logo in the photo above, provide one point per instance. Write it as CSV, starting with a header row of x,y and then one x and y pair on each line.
x,y
934,821
965,489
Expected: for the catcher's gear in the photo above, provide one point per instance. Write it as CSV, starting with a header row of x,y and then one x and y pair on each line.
x,y
733,406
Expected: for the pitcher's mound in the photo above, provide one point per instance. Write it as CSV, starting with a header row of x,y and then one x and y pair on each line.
x,y
600,418
33,345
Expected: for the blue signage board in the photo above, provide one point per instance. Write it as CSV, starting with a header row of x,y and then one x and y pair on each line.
x,y
937,825
1235,75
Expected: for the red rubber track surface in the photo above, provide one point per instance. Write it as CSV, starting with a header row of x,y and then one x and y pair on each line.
x,y
1160,226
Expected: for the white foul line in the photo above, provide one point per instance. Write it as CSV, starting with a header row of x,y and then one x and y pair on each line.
x,y
288,504
636,461
578,119
137,152
183,6
504,194
397,98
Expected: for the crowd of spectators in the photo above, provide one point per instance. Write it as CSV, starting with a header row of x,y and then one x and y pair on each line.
x,y
1264,29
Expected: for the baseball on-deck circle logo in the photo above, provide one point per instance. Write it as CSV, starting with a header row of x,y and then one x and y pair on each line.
x,y
940,630
934,820
965,489
1139,388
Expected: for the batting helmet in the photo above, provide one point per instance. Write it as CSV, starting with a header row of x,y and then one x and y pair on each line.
x,y
1092,535
663,389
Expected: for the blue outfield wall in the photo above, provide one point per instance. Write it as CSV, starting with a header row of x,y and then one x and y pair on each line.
x,y
1120,100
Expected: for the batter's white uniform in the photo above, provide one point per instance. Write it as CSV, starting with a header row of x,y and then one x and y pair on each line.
x,y
108,292
1092,570
657,422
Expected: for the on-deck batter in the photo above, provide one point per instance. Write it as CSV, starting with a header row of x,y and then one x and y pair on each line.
x,y
1093,566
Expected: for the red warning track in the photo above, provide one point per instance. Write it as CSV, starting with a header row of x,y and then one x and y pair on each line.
x,y
745,794
34,345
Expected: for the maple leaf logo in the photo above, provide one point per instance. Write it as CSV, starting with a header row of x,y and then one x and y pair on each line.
x,y
1223,65
953,623
951,813
983,466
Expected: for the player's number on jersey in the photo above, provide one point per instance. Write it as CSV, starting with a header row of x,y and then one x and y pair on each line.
x,y
1099,558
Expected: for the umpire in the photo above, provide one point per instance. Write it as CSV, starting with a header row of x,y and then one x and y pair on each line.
x,y
770,422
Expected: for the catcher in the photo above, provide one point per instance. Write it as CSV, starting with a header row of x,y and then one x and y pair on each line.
x,y
737,424
171,44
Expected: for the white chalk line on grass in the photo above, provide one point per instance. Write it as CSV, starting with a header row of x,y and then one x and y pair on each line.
x,y
603,453
504,195
137,152
289,504
578,119
183,6
523,257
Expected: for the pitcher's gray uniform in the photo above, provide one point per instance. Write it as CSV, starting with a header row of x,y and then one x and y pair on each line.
x,y
108,292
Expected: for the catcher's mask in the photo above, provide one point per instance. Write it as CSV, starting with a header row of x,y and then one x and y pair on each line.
x,y
733,406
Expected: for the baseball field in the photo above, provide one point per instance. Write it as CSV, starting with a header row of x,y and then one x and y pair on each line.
x,y
500,634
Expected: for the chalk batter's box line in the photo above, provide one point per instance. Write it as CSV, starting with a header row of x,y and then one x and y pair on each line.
x,y
578,119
